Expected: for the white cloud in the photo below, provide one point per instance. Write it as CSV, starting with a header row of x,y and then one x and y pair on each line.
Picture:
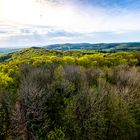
x,y
21,19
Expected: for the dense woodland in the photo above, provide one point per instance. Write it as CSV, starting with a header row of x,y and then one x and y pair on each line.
x,y
69,95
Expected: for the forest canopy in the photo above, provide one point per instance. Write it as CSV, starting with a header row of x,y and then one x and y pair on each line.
x,y
69,95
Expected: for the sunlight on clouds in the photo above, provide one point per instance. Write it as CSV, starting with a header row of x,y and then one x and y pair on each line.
x,y
37,18
67,16
33,12
20,11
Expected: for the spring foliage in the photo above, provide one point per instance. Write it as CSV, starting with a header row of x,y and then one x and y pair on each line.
x,y
56,95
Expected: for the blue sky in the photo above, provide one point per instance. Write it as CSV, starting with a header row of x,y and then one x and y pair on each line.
x,y
42,22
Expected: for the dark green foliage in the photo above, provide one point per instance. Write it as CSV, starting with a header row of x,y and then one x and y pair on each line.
x,y
3,119
57,134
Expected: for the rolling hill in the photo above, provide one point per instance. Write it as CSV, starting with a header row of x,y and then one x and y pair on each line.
x,y
100,46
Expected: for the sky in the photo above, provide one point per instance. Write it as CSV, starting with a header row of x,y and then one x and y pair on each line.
x,y
43,22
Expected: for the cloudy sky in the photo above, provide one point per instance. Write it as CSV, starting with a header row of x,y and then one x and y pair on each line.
x,y
42,22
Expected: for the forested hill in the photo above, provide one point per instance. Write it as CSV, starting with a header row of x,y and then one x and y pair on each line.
x,y
69,95
40,55
8,50
100,47
6,53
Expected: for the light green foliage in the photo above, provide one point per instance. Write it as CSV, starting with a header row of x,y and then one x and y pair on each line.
x,y
5,80
84,61
68,60
133,62
90,58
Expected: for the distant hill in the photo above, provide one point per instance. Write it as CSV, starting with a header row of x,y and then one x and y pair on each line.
x,y
8,50
100,47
